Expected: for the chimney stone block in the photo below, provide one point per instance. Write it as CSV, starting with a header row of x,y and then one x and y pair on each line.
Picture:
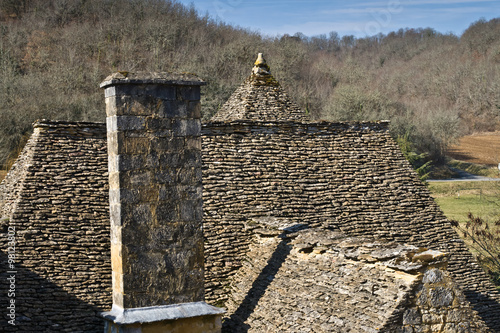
x,y
154,139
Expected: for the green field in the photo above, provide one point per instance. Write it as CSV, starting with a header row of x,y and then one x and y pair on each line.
x,y
458,199
482,199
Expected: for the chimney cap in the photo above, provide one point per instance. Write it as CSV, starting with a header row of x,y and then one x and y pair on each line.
x,y
166,78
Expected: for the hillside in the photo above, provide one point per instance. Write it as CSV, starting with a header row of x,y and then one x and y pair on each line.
x,y
434,87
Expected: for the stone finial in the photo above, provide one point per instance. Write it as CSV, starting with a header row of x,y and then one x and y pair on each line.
x,y
260,60
260,66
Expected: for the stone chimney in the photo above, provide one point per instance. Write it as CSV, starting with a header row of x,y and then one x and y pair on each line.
x,y
155,194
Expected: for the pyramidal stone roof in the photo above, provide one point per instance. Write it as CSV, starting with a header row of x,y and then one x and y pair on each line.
x,y
260,98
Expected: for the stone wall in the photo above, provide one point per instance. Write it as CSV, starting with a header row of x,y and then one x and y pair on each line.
x,y
346,176
60,214
322,281
438,305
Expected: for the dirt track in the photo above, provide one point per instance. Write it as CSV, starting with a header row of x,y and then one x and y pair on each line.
x,y
482,148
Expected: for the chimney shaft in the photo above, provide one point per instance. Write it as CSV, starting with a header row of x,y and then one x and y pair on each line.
x,y
154,152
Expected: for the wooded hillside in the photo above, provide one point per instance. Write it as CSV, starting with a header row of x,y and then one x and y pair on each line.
x,y
54,53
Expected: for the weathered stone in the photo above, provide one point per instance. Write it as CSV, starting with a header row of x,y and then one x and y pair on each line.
x,y
62,242
335,293
433,276
429,255
260,98
431,318
423,298
399,251
267,232
157,253
412,317
440,297
404,265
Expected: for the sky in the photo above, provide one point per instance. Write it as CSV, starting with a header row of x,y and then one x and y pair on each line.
x,y
360,18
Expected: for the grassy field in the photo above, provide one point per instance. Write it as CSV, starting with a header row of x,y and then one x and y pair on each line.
x,y
482,199
458,199
2,174
478,154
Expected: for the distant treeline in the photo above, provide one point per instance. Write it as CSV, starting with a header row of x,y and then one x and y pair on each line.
x,y
54,53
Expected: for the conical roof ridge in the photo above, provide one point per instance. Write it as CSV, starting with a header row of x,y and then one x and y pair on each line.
x,y
260,98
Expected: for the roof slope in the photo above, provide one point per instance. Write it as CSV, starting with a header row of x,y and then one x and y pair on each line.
x,y
260,167
323,281
60,211
260,98
11,186
344,176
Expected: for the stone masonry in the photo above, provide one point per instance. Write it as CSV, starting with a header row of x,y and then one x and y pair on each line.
x,y
56,198
323,281
260,97
154,160
154,156
347,176
350,177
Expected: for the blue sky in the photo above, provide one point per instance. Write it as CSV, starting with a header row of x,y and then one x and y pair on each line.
x,y
356,17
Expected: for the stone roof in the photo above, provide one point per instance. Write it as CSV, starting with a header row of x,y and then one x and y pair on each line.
x,y
56,199
260,98
350,177
46,137
322,281
283,176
